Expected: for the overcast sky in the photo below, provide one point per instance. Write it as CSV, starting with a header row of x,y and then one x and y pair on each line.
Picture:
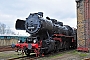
x,y
62,10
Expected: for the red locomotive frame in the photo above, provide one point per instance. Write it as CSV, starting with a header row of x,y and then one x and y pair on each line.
x,y
37,46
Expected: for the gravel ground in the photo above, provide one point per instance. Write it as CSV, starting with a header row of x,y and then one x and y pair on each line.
x,y
68,55
8,54
64,57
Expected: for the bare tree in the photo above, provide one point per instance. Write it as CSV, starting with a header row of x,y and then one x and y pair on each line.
x,y
8,30
0,29
5,29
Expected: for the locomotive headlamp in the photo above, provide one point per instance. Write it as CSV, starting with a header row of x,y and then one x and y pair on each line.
x,y
35,40
18,41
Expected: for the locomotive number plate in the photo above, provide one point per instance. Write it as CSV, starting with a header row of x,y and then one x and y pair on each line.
x,y
30,27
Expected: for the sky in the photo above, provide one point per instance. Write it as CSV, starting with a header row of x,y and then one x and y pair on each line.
x,y
61,10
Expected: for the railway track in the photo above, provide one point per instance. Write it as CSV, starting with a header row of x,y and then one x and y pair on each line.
x,y
22,58
6,48
32,57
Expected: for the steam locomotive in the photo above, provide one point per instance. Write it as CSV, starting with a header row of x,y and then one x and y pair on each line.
x,y
46,35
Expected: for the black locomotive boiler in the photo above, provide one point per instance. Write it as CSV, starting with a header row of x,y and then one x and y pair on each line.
x,y
46,35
